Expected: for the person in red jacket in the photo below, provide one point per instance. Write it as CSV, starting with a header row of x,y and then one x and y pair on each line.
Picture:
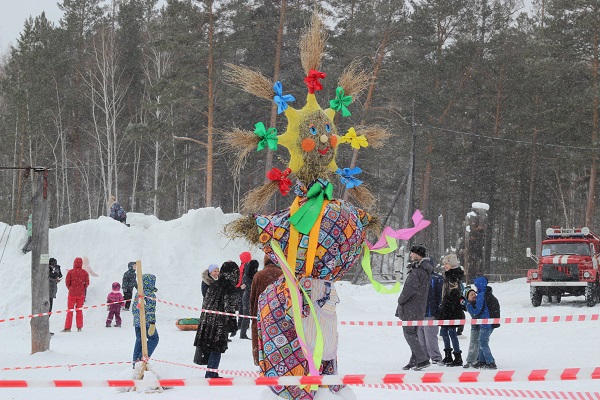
x,y
77,281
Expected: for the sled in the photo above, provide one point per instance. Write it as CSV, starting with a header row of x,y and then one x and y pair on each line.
x,y
187,324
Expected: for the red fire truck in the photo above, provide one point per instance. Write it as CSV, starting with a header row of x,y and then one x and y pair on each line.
x,y
567,266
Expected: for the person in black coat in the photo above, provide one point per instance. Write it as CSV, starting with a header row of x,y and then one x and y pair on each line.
x,y
54,276
451,308
249,272
128,284
214,329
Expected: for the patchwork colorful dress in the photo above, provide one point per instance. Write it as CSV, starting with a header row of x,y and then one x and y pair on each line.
x,y
334,246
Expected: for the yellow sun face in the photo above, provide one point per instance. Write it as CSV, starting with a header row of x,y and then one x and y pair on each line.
x,y
310,137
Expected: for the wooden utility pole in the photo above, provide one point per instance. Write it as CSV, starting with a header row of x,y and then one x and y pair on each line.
x,y
411,171
441,241
40,293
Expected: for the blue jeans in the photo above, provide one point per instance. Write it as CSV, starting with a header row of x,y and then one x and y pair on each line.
x,y
473,355
448,333
213,362
152,343
485,354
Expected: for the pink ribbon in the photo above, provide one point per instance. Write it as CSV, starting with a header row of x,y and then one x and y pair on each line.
x,y
419,222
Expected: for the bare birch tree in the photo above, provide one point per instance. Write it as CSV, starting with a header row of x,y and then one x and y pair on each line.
x,y
106,92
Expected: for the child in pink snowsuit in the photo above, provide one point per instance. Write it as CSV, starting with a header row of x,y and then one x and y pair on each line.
x,y
114,309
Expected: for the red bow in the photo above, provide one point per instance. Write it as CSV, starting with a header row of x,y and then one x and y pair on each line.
x,y
312,80
282,178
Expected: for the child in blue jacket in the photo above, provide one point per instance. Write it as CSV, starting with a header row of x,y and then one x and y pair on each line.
x,y
479,310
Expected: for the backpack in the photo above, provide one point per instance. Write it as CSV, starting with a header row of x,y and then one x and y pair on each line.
x,y
493,306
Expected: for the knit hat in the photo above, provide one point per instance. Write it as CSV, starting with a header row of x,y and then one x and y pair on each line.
x,y
245,257
450,259
131,264
212,267
116,286
78,263
467,291
419,250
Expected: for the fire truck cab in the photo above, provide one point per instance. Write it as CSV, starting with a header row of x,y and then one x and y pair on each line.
x,y
567,266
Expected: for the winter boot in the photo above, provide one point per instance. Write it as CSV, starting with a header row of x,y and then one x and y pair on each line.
x,y
243,335
448,359
458,362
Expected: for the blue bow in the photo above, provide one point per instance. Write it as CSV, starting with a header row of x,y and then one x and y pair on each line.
x,y
280,99
347,178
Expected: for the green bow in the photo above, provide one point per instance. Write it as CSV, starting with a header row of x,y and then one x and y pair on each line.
x,y
304,219
341,101
268,137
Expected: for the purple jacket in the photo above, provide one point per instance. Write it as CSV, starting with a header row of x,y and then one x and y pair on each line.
x,y
112,297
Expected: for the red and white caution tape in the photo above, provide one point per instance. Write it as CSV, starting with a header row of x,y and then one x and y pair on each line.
x,y
219,371
483,321
59,311
489,392
64,366
204,310
418,378
504,376
228,382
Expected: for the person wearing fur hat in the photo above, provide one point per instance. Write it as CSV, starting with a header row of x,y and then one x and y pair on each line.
x,y
77,281
451,309
469,296
412,304
213,330
209,276
129,283
114,310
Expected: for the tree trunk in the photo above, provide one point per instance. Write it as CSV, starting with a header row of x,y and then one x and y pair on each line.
x,y
277,65
591,200
211,108
369,98
532,174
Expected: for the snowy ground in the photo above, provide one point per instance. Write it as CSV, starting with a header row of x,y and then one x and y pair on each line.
x,y
177,252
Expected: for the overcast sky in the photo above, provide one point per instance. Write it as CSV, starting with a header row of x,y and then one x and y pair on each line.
x,y
13,14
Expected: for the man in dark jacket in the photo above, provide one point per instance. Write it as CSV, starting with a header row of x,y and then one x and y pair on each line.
x,y
263,278
428,335
129,282
412,304
249,273
54,276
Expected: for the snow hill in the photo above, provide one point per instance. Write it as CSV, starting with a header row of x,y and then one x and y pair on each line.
x,y
177,252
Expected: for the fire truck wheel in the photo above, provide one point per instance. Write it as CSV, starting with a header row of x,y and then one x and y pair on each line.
x,y
590,294
536,295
